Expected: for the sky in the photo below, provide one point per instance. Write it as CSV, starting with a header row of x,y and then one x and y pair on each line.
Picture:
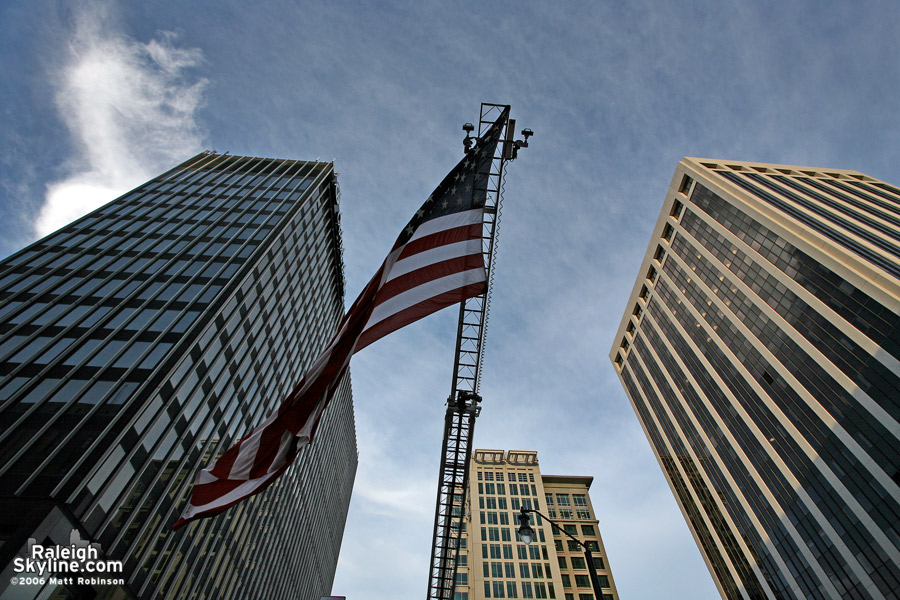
x,y
97,96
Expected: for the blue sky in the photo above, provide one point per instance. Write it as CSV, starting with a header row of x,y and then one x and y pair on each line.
x,y
98,96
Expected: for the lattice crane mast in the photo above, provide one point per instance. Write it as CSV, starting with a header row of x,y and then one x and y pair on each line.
x,y
464,403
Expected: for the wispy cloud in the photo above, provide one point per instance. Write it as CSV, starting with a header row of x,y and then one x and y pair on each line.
x,y
131,110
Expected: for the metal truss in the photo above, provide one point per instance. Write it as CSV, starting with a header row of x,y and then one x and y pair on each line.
x,y
464,403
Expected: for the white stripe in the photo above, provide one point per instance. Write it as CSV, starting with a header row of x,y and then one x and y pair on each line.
x,y
441,253
247,454
451,221
423,292
243,490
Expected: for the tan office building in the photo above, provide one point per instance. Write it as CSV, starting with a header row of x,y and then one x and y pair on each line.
x,y
760,349
494,563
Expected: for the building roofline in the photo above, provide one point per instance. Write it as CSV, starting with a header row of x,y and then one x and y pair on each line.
x,y
585,480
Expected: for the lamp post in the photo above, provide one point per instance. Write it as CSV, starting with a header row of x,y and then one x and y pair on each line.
x,y
526,534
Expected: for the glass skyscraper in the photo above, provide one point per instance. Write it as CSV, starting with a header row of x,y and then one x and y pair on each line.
x,y
760,349
143,339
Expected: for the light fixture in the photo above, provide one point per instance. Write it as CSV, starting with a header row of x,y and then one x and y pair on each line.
x,y
526,532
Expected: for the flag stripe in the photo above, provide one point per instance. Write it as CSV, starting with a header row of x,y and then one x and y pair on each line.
x,y
441,246
422,292
447,222
420,310
426,274
218,502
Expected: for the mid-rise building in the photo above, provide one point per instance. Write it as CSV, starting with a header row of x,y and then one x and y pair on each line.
x,y
760,350
146,337
494,563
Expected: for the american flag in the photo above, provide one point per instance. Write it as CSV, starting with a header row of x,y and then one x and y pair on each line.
x,y
437,261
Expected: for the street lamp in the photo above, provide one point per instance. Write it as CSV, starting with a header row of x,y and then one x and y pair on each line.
x,y
526,534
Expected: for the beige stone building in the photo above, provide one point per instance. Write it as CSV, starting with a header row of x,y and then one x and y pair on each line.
x,y
494,563
760,348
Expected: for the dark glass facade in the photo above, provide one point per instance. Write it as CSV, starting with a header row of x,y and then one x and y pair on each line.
x,y
761,355
143,339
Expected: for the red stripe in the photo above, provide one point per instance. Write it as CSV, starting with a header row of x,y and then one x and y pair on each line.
x,y
414,279
441,238
416,312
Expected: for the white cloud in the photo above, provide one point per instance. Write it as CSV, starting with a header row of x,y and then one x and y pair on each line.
x,y
130,108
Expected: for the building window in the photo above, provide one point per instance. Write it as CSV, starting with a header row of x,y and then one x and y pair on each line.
x,y
583,514
587,530
659,254
460,595
488,476
667,232
526,590
552,512
578,562
686,183
462,579
579,500
573,546
565,513
562,562
598,562
498,589
537,571
510,569
566,581
563,500
582,581
507,551
540,590
511,589
497,570
524,573
549,499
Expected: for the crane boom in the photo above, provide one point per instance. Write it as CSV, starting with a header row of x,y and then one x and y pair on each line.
x,y
463,404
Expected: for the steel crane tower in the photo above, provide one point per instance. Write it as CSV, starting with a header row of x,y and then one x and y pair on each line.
x,y
464,403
